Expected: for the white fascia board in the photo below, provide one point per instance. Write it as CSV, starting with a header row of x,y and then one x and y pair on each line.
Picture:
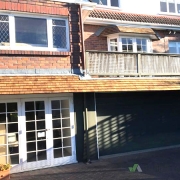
x,y
80,2
105,22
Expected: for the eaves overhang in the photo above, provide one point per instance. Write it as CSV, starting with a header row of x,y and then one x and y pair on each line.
x,y
110,30
119,18
105,22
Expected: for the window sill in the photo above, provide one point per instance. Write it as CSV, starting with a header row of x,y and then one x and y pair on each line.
x,y
31,52
169,14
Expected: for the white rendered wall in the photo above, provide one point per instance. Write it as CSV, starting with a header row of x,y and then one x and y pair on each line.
x,y
140,6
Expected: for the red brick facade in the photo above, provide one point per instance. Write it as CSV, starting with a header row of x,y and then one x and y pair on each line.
x,y
91,41
14,59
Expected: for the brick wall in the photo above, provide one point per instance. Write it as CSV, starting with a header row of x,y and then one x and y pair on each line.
x,y
10,59
91,41
162,45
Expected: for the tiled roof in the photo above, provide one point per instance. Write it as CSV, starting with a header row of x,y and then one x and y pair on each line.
x,y
59,84
142,18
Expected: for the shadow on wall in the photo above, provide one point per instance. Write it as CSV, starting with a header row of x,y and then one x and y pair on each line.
x,y
93,42
141,124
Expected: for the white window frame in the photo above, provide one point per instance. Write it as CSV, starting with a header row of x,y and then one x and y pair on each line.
x,y
12,40
109,5
167,6
119,43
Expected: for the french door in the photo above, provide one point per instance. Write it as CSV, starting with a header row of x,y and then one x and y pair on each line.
x,y
37,133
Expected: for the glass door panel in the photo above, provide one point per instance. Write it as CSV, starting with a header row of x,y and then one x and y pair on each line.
x,y
9,133
61,128
36,154
35,131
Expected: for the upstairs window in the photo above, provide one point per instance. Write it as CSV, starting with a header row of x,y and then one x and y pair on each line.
x,y
33,33
170,6
113,3
129,44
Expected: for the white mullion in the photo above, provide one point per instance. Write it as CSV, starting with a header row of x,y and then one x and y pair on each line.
x,y
12,30
108,3
135,45
120,44
49,33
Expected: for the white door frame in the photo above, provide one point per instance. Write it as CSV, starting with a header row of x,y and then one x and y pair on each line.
x,y
51,161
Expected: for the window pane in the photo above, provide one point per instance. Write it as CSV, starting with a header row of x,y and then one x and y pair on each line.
x,y
139,48
144,48
40,115
40,125
59,22
14,159
130,48
64,104
12,107
138,41
55,104
129,41
59,37
31,146
2,107
4,30
57,123
12,117
57,143
163,6
124,41
57,133
172,7
115,3
29,106
67,152
32,31
41,145
55,114
30,136
66,142
172,50
178,8
39,105
12,128
102,2
124,48
143,42
114,48
31,157
30,126
42,155
2,118
30,116
57,153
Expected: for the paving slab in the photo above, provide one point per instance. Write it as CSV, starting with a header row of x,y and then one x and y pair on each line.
x,y
158,165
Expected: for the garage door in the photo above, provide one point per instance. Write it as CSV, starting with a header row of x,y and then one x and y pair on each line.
x,y
137,121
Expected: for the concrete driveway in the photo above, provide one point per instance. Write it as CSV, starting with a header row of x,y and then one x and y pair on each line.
x,y
158,165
